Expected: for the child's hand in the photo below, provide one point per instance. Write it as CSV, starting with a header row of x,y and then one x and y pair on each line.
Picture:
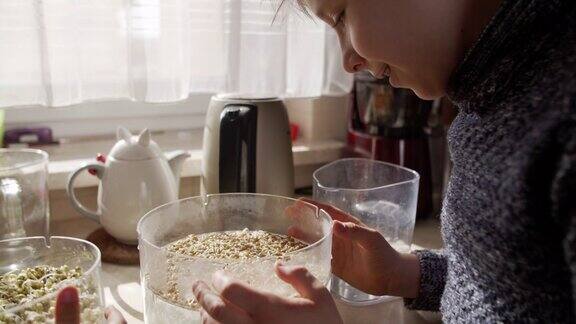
x,y
236,303
68,309
362,257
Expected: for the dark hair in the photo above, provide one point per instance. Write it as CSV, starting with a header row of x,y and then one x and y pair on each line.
x,y
300,4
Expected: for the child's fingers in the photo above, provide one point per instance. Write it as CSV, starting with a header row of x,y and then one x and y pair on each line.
x,y
366,237
336,213
68,306
299,234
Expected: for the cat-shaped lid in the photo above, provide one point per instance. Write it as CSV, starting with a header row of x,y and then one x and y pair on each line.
x,y
134,148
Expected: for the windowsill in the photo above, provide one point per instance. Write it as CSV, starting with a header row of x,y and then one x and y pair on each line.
x,y
66,157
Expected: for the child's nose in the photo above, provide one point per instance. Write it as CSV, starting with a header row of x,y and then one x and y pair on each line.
x,y
353,62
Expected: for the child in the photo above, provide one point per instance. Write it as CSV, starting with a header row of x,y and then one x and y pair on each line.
x,y
509,215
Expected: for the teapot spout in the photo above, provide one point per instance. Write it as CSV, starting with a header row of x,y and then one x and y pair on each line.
x,y
175,160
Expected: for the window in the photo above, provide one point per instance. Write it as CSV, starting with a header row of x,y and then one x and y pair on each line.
x,y
105,62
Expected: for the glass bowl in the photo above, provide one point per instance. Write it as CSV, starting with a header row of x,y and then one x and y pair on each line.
x,y
21,253
165,272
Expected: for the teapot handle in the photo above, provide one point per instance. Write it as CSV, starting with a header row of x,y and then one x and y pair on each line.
x,y
94,215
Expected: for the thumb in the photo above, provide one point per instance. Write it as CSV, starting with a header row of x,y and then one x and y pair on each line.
x,y
302,280
68,306
367,238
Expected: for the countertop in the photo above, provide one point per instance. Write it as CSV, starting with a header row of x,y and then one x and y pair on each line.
x,y
122,283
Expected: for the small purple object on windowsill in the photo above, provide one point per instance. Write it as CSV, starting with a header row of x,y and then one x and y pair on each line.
x,y
29,137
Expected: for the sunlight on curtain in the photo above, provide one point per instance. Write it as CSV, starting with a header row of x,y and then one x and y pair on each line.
x,y
64,52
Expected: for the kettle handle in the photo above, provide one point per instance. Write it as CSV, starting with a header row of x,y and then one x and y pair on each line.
x,y
237,156
94,215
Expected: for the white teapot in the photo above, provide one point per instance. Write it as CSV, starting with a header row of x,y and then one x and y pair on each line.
x,y
135,178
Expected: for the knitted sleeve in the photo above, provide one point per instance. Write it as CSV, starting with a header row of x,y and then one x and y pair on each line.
x,y
570,252
433,266
564,201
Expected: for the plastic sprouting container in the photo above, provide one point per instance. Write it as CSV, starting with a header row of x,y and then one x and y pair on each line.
x,y
167,277
382,195
23,253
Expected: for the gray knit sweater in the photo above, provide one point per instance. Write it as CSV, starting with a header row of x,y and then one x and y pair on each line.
x,y
509,215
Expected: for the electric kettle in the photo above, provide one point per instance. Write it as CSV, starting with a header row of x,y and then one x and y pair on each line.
x,y
247,146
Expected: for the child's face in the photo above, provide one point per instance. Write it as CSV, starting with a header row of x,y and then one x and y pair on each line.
x,y
396,38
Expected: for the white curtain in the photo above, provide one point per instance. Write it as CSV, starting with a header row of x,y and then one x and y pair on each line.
x,y
64,52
